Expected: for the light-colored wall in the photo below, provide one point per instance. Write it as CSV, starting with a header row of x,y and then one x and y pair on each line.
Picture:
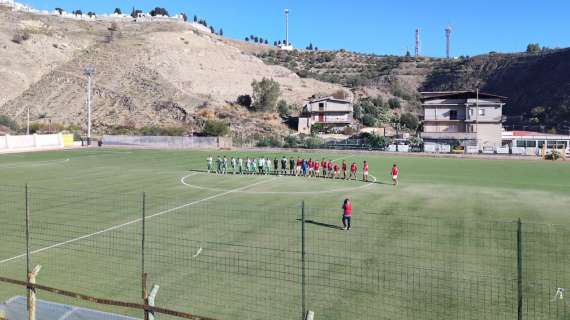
x,y
304,126
442,112
329,106
333,117
491,113
489,134
444,127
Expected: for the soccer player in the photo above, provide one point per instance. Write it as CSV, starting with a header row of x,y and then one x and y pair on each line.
x,y
316,169
330,168
225,168
247,165
292,166
276,166
335,169
210,160
365,172
283,165
311,167
240,165
267,168
346,214
324,167
353,170
395,172
298,168
219,164
344,169
260,165
234,165
304,167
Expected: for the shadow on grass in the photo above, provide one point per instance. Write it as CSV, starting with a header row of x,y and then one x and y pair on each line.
x,y
321,224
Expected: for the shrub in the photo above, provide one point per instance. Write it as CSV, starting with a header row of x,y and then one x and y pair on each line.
x,y
159,11
244,100
410,121
283,108
163,131
377,141
292,142
20,37
8,122
394,103
270,141
216,128
317,128
369,120
312,142
265,94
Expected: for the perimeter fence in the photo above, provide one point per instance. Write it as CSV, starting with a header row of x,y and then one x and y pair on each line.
x,y
237,262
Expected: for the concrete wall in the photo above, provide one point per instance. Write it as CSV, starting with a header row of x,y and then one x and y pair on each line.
x,y
329,105
489,134
35,141
442,113
168,141
444,126
333,118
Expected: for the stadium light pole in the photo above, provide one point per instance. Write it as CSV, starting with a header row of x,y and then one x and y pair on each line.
x,y
28,122
89,71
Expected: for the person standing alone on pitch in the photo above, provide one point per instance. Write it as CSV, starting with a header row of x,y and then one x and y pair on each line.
x,y
365,172
395,172
346,214
210,160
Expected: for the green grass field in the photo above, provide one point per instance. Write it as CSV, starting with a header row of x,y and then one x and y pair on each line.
x,y
442,245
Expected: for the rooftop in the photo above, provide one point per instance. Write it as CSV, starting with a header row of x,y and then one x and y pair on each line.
x,y
464,94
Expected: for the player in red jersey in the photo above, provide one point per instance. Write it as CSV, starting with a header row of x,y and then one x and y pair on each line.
x,y
316,169
335,168
344,169
311,167
324,167
298,166
346,214
395,172
365,172
330,168
353,169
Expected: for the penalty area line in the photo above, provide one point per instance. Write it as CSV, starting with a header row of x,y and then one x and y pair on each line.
x,y
119,226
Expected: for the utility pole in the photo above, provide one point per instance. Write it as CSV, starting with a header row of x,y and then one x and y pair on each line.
x,y
89,71
28,122
287,27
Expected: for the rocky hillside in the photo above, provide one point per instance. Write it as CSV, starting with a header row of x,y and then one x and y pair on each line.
x,y
528,80
159,73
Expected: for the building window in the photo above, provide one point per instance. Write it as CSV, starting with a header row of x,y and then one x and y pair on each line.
x,y
481,112
452,114
321,106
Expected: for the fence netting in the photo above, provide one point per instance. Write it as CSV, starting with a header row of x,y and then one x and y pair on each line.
x,y
227,261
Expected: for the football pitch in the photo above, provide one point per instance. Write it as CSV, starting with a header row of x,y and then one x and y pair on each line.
x,y
441,245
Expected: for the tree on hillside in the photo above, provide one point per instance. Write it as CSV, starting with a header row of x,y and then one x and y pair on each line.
x,y
221,32
212,29
310,46
266,42
91,14
216,128
59,10
184,16
77,12
159,12
283,108
244,100
118,11
394,103
247,39
533,48
265,94
410,121
275,43
195,18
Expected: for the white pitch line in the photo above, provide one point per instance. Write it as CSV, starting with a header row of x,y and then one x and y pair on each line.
x,y
365,185
134,221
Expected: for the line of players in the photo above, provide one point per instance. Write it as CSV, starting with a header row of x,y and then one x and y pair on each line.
x,y
299,167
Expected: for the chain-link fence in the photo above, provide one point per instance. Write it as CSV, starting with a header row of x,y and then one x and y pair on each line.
x,y
239,262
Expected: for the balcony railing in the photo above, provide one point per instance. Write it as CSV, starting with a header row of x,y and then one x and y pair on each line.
x,y
449,135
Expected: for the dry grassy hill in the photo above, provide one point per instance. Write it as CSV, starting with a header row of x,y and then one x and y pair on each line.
x,y
159,73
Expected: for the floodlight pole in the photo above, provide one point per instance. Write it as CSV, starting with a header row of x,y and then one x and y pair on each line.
x,y
28,122
89,71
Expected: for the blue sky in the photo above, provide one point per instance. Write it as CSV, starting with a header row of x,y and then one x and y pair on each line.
x,y
382,27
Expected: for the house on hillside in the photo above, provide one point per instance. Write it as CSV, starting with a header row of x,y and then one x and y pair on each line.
x,y
471,117
332,113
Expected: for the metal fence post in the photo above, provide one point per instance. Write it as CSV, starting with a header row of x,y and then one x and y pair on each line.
x,y
303,301
28,262
143,271
519,271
